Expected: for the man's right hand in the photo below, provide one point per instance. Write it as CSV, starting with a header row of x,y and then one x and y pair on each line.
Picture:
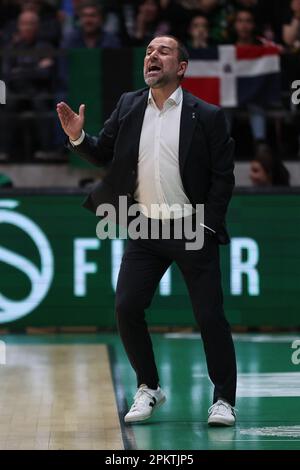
x,y
71,122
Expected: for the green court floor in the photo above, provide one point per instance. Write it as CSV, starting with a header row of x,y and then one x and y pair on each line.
x,y
268,400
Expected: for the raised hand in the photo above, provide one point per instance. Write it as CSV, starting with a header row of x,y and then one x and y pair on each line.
x,y
71,122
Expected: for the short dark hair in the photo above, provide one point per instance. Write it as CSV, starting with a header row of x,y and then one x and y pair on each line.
x,y
183,55
245,10
90,4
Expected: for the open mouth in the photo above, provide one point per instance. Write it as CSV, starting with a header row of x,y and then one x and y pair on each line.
x,y
154,68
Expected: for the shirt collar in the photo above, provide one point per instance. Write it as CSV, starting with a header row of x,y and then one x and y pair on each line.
x,y
175,98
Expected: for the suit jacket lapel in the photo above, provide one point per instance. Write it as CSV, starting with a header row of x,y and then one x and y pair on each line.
x,y
135,120
188,123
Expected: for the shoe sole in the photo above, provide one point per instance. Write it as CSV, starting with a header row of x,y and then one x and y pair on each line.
x,y
219,421
138,420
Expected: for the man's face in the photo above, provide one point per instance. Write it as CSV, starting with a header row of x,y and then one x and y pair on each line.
x,y
199,28
244,25
161,64
28,25
90,20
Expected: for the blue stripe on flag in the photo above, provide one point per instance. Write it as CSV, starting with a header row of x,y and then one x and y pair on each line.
x,y
261,89
206,53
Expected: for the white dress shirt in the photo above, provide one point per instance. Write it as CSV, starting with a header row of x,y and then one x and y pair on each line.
x,y
159,184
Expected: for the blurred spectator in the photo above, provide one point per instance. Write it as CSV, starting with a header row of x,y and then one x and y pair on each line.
x,y
268,170
235,7
120,19
216,13
180,13
50,27
198,32
149,22
90,33
291,26
268,16
246,33
28,74
245,30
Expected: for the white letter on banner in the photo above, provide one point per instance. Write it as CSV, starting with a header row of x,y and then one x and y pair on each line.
x,y
246,266
81,266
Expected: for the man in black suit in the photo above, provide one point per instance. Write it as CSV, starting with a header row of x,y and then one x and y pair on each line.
x,y
163,146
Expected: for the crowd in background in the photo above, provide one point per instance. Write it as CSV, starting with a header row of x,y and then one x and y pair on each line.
x,y
44,26
117,23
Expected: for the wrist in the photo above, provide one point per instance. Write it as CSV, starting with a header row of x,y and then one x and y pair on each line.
x,y
74,137
79,140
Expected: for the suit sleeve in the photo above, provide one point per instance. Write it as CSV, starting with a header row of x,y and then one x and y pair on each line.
x,y
222,176
99,150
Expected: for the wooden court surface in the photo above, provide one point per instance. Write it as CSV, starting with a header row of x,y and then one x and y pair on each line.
x,y
58,397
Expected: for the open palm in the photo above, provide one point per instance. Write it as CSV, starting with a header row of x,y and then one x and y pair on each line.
x,y
72,123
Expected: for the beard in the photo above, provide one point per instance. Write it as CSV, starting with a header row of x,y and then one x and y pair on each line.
x,y
153,82
156,82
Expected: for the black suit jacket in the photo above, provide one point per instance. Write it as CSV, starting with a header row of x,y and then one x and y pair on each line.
x,y
205,156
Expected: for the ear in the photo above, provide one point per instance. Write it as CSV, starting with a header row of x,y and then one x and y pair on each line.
x,y
182,69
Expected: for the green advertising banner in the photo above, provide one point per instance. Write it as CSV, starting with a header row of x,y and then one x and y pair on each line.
x,y
54,271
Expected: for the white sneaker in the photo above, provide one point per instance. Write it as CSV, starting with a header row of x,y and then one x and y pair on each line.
x,y
221,413
146,400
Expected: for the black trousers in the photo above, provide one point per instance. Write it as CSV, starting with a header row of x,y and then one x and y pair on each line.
x,y
143,265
